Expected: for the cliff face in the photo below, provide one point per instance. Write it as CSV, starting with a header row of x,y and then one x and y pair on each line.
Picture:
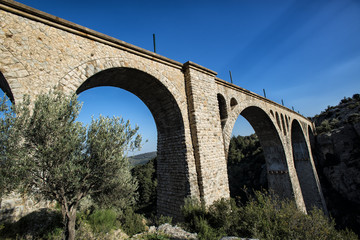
x,y
337,158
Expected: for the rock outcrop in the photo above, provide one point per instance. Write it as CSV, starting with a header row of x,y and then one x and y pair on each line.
x,y
337,156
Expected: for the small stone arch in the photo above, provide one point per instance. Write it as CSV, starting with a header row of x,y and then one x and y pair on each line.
x,y
287,122
222,109
278,120
4,85
305,169
233,103
283,124
311,137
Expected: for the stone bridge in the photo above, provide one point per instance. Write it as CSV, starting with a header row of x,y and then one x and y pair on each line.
x,y
194,110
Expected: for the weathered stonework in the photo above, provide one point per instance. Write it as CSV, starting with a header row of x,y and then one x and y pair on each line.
x,y
194,111
13,206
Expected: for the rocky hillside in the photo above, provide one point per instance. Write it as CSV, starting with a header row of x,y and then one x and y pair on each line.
x,y
337,156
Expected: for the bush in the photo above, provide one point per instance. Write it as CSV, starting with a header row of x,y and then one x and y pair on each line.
x,y
324,127
162,220
154,236
353,118
131,222
345,100
265,216
356,96
103,220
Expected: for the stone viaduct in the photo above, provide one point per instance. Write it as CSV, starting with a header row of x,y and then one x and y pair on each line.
x,y
194,110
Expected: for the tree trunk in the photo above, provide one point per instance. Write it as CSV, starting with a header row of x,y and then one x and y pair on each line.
x,y
69,224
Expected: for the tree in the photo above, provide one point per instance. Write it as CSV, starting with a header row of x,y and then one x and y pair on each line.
x,y
147,179
9,146
64,160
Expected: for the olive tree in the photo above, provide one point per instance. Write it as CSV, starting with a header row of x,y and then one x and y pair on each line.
x,y
63,160
9,147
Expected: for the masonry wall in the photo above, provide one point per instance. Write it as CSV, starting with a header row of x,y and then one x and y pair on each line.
x,y
206,133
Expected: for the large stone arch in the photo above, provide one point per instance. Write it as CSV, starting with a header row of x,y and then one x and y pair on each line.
x,y
176,168
73,79
305,168
277,169
236,111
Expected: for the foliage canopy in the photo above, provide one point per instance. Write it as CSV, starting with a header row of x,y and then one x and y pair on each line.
x,y
61,159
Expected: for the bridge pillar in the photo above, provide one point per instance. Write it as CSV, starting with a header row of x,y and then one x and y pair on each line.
x,y
296,192
206,133
305,168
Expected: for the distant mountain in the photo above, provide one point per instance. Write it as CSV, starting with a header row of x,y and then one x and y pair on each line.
x,y
142,158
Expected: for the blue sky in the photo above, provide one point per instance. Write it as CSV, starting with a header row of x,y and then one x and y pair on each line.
x,y
306,52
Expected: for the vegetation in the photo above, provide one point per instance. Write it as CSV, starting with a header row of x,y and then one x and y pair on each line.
x,y
264,216
244,149
346,112
90,224
327,126
246,166
60,159
146,177
9,146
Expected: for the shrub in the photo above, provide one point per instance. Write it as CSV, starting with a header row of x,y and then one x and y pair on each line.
x,y
162,220
353,118
265,216
56,234
103,220
356,96
205,230
345,100
131,222
324,127
352,106
155,236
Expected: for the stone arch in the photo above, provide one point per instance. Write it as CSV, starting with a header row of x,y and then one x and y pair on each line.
x,y
283,124
278,120
222,109
73,79
304,168
275,157
233,103
172,161
4,85
287,122
311,137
